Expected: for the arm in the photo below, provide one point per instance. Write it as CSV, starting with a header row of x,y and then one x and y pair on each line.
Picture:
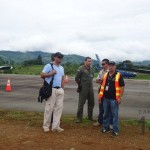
x,y
48,71
78,79
100,76
122,84
62,82
78,76
45,75
121,91
121,94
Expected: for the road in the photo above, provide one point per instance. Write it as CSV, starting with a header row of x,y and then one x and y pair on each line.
x,y
135,104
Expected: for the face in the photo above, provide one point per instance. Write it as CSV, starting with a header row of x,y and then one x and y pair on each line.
x,y
104,65
112,68
88,62
58,59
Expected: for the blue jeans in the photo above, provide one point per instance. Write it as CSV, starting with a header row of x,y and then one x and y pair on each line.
x,y
101,113
111,108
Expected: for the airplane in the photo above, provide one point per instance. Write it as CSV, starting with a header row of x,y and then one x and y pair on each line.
x,y
136,70
99,61
127,74
124,73
5,67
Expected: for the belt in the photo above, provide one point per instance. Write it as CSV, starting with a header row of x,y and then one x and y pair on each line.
x,y
57,87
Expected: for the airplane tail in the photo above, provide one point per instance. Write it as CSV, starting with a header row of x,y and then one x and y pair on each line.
x,y
98,59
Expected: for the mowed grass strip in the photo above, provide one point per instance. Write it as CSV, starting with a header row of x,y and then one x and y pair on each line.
x,y
36,119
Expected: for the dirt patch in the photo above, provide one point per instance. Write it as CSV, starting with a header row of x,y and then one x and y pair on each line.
x,y
25,133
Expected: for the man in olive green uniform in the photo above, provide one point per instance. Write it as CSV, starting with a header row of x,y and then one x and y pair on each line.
x,y
84,79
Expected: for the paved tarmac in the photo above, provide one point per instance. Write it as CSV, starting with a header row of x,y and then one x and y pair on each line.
x,y
135,104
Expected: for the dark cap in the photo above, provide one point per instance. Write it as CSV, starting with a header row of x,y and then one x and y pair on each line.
x,y
112,63
58,54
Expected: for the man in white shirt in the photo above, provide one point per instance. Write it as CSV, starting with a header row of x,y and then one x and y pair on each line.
x,y
105,63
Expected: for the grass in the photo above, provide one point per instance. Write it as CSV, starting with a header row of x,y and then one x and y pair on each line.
x,y
31,118
142,76
26,70
35,118
36,70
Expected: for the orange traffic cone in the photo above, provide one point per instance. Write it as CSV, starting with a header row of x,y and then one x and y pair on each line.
x,y
8,86
66,79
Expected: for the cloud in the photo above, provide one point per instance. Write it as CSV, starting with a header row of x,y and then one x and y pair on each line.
x,y
113,29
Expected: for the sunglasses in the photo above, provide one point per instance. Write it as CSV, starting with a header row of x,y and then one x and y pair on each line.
x,y
103,64
60,57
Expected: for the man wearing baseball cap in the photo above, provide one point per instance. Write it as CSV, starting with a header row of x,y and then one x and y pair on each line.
x,y
111,92
54,103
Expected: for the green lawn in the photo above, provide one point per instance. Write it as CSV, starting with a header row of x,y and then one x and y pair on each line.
x,y
36,70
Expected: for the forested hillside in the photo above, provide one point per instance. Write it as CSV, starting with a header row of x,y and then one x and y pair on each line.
x,y
16,57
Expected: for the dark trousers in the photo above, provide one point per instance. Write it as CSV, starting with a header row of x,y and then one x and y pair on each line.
x,y
101,114
86,94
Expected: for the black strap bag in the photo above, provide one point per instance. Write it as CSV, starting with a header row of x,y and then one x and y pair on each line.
x,y
46,90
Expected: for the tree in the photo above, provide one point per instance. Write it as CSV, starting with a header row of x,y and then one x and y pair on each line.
x,y
37,61
2,62
128,64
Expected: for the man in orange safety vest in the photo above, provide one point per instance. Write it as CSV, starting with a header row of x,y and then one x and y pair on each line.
x,y
111,91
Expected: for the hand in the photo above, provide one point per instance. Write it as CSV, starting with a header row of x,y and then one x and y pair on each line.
x,y
98,81
99,99
119,101
53,72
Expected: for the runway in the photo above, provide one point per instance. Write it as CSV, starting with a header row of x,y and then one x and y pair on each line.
x,y
135,104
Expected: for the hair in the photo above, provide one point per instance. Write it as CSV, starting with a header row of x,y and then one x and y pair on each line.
x,y
86,58
106,61
52,57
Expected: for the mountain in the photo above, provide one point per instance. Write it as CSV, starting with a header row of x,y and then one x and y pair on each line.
x,y
19,57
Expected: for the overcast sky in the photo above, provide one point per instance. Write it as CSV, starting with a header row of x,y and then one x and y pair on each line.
x,y
114,29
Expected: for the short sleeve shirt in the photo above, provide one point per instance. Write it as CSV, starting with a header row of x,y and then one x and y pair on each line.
x,y
101,74
57,77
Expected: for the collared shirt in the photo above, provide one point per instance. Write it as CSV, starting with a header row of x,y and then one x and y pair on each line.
x,y
101,74
84,75
57,77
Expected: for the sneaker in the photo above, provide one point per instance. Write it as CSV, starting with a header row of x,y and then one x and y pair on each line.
x,y
114,134
105,131
78,121
96,124
46,130
58,129
111,126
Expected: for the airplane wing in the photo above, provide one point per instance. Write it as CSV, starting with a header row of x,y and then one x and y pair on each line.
x,y
137,70
126,74
5,67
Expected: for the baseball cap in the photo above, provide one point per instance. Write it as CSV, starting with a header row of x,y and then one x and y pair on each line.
x,y
58,54
112,63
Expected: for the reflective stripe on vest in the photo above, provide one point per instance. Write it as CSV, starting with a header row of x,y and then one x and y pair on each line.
x,y
117,77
